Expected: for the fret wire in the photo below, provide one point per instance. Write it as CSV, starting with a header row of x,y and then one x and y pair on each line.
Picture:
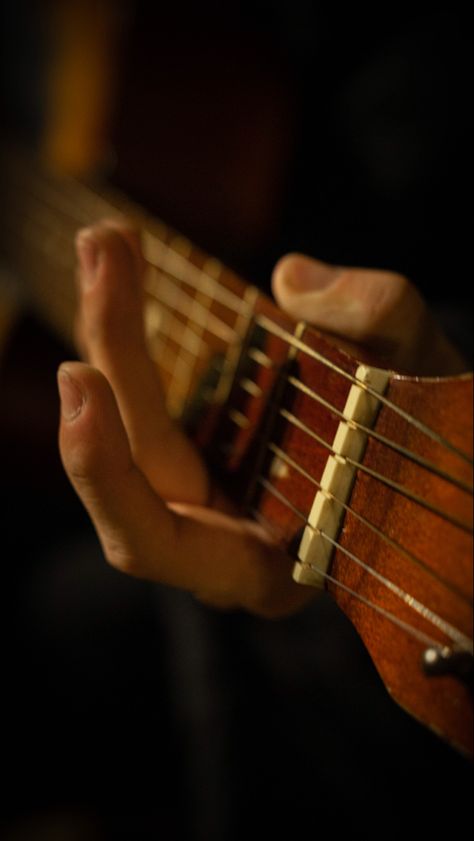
x,y
179,360
235,352
166,337
274,448
161,362
238,418
189,370
193,276
372,433
193,347
375,475
183,367
453,633
250,387
260,358
273,328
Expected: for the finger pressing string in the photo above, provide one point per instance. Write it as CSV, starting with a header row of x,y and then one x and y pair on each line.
x,y
111,300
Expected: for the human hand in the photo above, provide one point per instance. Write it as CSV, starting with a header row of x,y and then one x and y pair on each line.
x,y
143,482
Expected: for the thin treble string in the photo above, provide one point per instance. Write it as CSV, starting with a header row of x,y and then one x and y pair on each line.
x,y
410,601
401,489
372,433
405,626
274,448
262,359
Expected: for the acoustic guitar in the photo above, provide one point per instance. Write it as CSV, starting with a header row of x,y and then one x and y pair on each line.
x,y
362,473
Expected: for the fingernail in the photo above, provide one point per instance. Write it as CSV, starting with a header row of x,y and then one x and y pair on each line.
x,y
72,397
311,277
88,252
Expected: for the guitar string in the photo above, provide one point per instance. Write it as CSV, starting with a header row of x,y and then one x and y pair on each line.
x,y
401,550
422,462
205,318
271,327
276,450
244,422
401,489
240,419
405,626
372,433
291,340
410,601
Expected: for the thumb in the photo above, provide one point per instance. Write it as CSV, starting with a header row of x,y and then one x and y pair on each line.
x,y
379,309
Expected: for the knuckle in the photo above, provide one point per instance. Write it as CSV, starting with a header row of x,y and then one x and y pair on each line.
x,y
387,295
120,557
83,462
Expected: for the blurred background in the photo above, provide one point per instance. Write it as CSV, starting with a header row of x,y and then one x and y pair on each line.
x,y
255,128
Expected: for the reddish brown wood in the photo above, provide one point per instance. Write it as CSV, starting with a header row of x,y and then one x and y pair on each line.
x,y
444,703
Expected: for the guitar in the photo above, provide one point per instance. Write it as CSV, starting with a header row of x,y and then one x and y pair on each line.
x,y
363,474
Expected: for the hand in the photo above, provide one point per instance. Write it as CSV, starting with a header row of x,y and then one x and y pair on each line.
x,y
142,481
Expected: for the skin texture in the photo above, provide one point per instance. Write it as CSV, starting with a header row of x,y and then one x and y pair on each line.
x,y
142,481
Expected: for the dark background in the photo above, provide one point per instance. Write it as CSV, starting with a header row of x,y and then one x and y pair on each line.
x,y
130,711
